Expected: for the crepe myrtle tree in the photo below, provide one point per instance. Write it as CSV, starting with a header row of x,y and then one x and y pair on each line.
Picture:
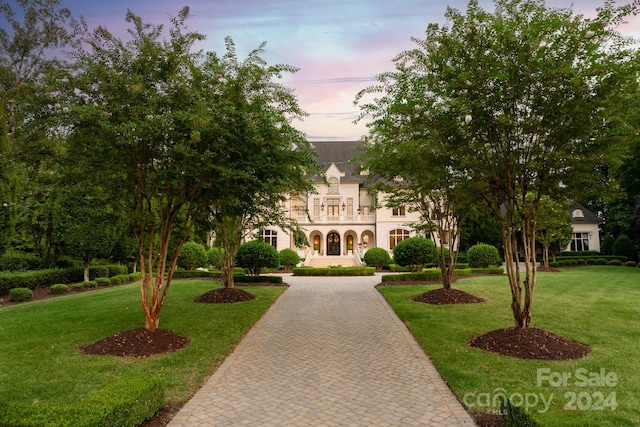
x,y
522,100
267,160
152,109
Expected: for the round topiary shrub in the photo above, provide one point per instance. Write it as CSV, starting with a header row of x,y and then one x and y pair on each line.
x,y
78,286
115,280
60,288
600,261
615,262
581,261
214,256
91,284
288,258
483,255
20,294
414,252
377,257
103,281
630,264
256,255
193,255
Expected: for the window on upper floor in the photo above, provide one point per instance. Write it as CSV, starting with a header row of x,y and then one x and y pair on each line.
x,y
398,211
349,207
577,213
334,186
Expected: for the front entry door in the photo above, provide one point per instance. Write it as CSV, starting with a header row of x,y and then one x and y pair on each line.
x,y
333,244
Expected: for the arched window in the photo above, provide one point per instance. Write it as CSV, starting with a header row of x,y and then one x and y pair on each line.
x,y
577,213
271,237
334,186
396,236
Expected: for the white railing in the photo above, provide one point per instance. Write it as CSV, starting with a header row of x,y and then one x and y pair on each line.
x,y
337,218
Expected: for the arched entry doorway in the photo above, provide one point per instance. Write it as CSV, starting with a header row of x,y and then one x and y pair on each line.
x,y
333,243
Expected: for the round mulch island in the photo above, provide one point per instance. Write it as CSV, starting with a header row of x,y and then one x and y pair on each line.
x,y
531,343
225,295
137,343
444,296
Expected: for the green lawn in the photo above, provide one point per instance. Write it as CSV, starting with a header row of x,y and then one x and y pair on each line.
x,y
39,341
598,306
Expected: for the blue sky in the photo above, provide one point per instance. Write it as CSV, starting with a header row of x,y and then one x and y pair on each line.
x,y
339,45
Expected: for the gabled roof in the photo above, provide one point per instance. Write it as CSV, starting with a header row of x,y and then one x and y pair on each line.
x,y
587,217
339,153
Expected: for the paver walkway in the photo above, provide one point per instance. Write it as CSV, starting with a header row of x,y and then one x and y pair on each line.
x,y
329,352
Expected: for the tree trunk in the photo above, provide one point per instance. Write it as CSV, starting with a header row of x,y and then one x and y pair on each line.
x,y
86,270
230,230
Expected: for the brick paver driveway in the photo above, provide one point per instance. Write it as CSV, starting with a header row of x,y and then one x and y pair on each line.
x,y
329,352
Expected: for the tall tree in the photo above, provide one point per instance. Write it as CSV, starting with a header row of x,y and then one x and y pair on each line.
x,y
520,99
153,109
30,44
266,159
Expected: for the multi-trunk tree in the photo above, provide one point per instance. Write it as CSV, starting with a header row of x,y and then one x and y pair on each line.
x,y
522,100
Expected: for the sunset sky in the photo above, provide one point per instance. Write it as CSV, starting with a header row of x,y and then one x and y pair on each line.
x,y
339,45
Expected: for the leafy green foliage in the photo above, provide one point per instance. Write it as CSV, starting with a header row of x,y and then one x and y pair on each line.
x,y
334,271
483,255
288,258
414,252
193,255
59,288
214,256
20,294
529,103
38,279
256,255
623,246
377,257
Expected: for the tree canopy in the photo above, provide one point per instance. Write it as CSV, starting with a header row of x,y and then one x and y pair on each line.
x,y
522,100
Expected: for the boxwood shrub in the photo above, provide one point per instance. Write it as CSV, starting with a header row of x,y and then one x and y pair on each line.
x,y
257,279
91,284
601,261
127,402
59,288
488,270
630,264
425,276
20,294
78,286
103,281
615,262
39,278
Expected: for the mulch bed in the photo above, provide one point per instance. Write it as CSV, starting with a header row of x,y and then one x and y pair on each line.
x,y
444,296
137,343
484,419
225,295
531,343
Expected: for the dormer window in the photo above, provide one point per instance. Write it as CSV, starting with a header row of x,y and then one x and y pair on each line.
x,y
577,213
334,186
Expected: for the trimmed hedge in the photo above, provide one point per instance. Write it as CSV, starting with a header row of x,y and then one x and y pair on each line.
x,y
340,271
79,286
103,281
257,279
488,270
425,276
59,288
39,278
127,403
630,264
189,274
20,294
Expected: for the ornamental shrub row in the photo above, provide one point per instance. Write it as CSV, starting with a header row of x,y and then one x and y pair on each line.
x,y
128,403
339,271
20,294
39,279
425,276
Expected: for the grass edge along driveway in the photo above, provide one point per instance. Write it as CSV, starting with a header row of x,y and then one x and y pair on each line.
x,y
39,340
598,306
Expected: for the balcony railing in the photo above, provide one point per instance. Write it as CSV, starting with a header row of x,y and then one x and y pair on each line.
x,y
336,218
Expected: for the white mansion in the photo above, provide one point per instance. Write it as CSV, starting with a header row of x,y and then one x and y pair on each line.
x,y
339,219
340,222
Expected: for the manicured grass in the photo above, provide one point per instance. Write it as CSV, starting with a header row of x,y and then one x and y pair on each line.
x,y
39,341
598,306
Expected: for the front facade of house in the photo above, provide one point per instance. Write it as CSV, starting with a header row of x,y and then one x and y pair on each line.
x,y
586,230
339,219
